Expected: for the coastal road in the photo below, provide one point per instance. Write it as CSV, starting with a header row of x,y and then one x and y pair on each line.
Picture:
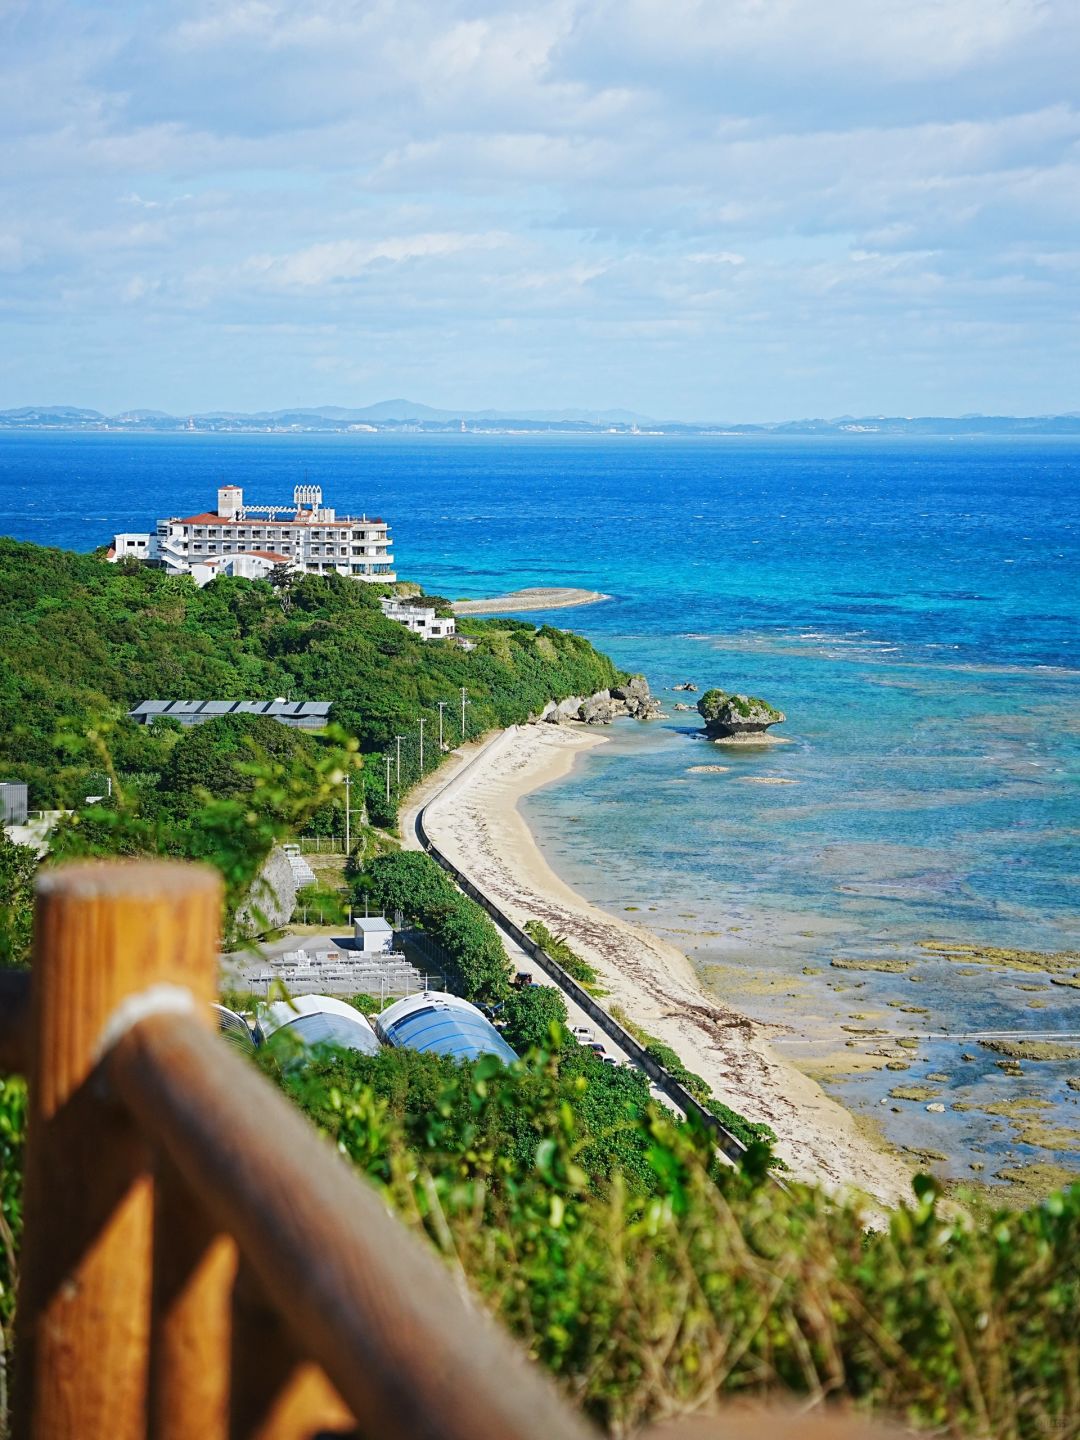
x,y
424,798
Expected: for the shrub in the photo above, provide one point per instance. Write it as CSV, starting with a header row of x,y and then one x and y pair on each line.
x,y
413,883
651,1283
534,1017
557,947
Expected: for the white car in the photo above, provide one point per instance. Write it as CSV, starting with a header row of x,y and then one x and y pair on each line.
x,y
582,1033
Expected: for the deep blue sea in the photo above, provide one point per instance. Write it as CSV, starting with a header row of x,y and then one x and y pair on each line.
x,y
912,606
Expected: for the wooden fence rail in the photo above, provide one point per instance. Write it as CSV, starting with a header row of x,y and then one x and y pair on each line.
x,y
197,1263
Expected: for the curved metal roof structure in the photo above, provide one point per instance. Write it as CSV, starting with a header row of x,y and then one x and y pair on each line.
x,y
320,1020
234,1028
442,1025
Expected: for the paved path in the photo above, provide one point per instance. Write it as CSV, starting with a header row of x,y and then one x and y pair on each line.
x,y
425,798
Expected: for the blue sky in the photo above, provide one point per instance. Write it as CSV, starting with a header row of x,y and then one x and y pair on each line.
x,y
731,209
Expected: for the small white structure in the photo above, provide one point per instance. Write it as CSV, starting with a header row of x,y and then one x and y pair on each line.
x,y
374,935
419,618
245,565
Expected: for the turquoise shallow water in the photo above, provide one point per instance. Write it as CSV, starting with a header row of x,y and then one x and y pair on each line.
x,y
912,607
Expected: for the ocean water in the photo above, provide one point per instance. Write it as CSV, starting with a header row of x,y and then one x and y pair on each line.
x,y
912,606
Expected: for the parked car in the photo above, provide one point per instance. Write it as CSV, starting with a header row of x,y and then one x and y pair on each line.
x,y
521,979
582,1034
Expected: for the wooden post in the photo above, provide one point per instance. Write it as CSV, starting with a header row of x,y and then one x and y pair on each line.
x,y
194,1273
104,933
275,1395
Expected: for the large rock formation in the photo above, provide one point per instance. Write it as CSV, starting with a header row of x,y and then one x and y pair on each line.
x,y
272,899
635,699
632,698
736,717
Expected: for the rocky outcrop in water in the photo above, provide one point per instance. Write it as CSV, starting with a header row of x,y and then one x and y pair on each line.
x,y
636,699
632,697
736,717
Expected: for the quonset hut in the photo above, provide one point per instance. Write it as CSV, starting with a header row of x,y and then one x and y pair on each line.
x,y
442,1025
319,1020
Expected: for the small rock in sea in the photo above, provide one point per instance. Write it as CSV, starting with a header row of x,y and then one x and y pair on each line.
x,y
967,1056
731,716
976,1165
936,1108
708,769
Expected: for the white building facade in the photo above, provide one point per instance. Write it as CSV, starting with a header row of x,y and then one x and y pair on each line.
x,y
307,537
420,619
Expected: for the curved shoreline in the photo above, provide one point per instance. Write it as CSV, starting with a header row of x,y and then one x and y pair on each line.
x,y
476,821
559,597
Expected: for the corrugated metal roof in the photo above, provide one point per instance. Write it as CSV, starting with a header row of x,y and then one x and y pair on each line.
x,y
290,709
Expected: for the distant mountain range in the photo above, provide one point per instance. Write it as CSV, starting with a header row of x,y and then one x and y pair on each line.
x,y
408,415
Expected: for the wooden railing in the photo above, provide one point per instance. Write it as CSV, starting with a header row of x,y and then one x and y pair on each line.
x,y
197,1263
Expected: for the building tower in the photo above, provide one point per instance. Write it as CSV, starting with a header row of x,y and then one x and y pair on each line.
x,y
230,501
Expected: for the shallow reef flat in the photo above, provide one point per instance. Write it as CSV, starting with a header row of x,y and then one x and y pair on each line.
x,y
1060,963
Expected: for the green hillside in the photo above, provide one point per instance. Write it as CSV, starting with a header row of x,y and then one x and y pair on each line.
x,y
82,640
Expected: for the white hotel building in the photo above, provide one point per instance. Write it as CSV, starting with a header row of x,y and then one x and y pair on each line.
x,y
250,540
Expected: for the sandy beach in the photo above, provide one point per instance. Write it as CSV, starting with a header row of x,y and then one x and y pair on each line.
x,y
559,597
475,820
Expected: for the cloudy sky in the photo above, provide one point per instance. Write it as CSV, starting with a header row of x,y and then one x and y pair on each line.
x,y
735,209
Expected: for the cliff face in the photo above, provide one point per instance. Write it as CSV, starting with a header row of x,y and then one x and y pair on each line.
x,y
273,897
733,717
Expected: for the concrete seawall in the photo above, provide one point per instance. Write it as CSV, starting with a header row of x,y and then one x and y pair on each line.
x,y
726,1142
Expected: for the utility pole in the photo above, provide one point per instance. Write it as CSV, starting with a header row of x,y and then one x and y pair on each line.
x,y
464,701
348,794
399,739
422,724
442,709
387,759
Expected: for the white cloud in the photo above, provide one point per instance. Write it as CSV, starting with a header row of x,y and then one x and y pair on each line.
x,y
340,260
511,190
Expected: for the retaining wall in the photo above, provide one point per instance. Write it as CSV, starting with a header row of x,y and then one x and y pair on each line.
x,y
729,1144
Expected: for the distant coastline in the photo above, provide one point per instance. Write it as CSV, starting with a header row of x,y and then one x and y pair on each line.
x,y
408,417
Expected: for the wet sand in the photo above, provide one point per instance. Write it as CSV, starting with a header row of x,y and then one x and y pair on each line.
x,y
545,598
475,820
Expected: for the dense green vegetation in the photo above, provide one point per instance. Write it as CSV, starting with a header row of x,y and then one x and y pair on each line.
x,y
222,792
18,865
83,641
411,882
647,1277
650,1280
720,706
556,946
534,1017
